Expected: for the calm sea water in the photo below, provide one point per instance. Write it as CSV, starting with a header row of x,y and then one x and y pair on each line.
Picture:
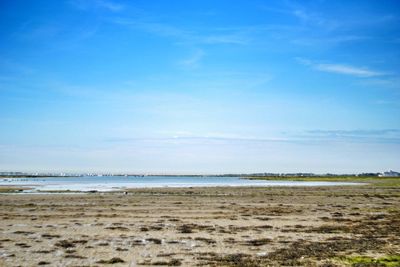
x,y
109,183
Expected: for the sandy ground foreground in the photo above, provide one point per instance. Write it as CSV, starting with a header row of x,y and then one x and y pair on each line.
x,y
201,227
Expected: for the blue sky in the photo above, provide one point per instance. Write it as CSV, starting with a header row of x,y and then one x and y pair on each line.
x,y
200,86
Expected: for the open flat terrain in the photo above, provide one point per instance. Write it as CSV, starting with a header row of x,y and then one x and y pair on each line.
x,y
323,226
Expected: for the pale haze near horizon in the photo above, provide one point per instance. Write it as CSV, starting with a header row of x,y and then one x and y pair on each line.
x,y
199,86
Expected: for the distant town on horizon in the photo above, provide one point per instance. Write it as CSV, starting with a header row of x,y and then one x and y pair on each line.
x,y
389,173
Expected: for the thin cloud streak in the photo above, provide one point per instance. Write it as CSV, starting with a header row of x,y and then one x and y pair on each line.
x,y
390,136
94,4
347,70
389,82
307,137
329,40
357,132
341,69
218,36
194,60
112,6
205,139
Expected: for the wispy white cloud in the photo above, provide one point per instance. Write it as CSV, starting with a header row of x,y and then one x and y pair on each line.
x,y
161,29
320,27
358,132
348,70
109,5
234,36
112,6
194,60
329,40
231,38
316,16
53,35
314,19
358,135
300,12
385,82
303,137
204,140
341,68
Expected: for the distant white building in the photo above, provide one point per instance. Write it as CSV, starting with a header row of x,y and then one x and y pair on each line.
x,y
390,174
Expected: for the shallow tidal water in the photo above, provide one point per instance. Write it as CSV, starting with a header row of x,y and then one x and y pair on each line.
x,y
110,183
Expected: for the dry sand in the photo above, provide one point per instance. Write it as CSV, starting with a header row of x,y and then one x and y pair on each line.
x,y
200,227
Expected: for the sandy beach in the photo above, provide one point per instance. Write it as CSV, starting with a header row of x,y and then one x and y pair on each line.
x,y
275,226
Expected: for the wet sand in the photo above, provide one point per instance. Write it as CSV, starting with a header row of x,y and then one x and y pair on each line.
x,y
276,226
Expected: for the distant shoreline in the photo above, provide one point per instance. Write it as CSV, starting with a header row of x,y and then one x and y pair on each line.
x,y
249,176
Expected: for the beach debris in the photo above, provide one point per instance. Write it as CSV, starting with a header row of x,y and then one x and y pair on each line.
x,y
65,244
206,240
50,236
186,229
172,262
111,261
154,240
257,242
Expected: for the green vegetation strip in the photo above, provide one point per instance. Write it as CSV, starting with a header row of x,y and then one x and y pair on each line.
x,y
387,261
377,181
10,189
